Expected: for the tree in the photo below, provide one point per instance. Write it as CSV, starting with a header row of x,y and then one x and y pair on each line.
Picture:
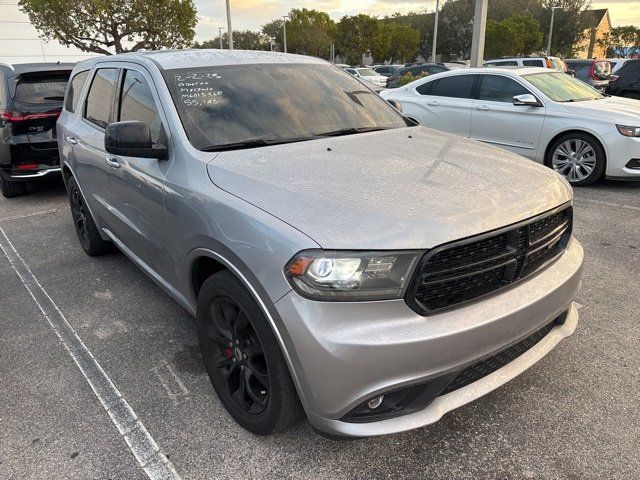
x,y
356,35
309,32
242,40
622,41
274,32
569,24
107,26
404,42
517,34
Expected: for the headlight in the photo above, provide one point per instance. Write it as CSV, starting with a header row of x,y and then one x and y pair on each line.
x,y
344,275
629,131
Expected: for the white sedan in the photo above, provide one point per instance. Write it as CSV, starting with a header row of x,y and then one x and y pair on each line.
x,y
368,74
540,114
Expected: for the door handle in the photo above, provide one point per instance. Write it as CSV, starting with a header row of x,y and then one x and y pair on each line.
x,y
71,140
112,161
483,108
433,103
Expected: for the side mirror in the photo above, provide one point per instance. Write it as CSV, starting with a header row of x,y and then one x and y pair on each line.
x,y
571,72
132,139
527,100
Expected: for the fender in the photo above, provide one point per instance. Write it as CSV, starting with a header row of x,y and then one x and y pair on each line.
x,y
244,274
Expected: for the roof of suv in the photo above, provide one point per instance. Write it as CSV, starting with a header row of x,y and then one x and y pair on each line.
x,y
170,59
20,68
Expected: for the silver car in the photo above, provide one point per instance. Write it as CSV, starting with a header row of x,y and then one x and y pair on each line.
x,y
341,262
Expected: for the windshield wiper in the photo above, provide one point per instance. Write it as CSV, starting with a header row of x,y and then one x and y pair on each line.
x,y
349,131
253,143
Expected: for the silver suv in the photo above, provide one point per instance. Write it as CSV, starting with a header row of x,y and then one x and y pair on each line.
x,y
340,261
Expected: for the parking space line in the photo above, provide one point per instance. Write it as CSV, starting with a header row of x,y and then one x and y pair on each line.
x,y
27,215
144,448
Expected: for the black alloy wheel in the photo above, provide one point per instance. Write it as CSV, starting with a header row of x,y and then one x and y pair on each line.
x,y
79,214
236,352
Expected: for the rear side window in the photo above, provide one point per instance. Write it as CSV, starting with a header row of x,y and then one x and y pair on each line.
x,y
75,88
507,63
433,70
100,97
425,88
458,86
495,88
41,90
137,103
533,63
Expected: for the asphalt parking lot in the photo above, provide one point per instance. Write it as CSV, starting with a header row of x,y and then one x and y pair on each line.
x,y
574,415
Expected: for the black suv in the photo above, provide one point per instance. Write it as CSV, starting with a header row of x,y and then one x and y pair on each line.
x,y
31,96
626,81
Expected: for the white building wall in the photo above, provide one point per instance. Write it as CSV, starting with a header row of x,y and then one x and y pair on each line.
x,y
19,41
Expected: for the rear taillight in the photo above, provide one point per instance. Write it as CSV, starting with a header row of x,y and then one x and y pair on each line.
x,y
27,166
13,116
592,72
549,64
614,78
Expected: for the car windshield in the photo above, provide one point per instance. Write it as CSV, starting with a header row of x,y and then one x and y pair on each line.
x,y
240,106
561,87
366,72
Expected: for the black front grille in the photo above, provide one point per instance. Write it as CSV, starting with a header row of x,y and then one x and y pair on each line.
x,y
461,271
486,366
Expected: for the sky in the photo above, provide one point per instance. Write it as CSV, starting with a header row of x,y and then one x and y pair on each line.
x,y
252,14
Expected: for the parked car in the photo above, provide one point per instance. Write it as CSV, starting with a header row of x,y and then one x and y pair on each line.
x,y
626,81
543,61
594,72
415,70
30,101
368,75
339,261
385,70
535,112
617,63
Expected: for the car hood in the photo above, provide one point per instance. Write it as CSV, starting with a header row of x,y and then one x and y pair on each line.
x,y
616,109
408,188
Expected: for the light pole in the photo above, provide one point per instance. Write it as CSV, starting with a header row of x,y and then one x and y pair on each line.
x,y
479,29
435,33
229,29
284,32
220,33
553,14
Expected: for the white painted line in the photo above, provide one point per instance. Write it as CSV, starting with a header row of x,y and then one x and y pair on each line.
x,y
608,204
144,448
27,215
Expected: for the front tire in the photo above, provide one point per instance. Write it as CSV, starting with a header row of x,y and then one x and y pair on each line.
x,y
578,157
243,358
90,240
12,189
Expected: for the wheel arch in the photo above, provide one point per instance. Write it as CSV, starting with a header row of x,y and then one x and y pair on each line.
x,y
210,261
582,131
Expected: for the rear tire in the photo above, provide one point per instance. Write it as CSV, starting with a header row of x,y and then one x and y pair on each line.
x,y
12,189
90,240
578,157
243,358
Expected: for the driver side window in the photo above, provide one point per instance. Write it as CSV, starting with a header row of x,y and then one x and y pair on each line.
x,y
137,103
496,88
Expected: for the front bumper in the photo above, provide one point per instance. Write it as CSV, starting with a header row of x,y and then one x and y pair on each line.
x,y
347,353
620,150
